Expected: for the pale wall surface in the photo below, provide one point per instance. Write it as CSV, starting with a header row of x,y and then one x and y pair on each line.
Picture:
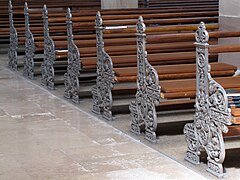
x,y
229,12
229,8
117,4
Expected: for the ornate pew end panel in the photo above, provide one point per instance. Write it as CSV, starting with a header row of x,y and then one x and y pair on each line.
x,y
49,55
211,112
143,109
104,102
13,46
101,92
71,78
28,70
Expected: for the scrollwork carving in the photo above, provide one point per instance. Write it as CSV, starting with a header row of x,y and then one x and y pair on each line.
x,y
97,90
74,65
108,83
49,54
201,34
13,39
148,90
101,92
28,70
211,112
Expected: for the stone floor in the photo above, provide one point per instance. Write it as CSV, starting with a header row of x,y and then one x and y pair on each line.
x,y
44,136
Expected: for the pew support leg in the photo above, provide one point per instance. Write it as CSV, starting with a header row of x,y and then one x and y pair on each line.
x,y
49,54
148,90
28,70
50,77
31,70
107,113
150,122
72,87
97,89
29,47
212,114
47,75
193,154
75,89
44,74
108,84
136,121
97,99
13,48
67,90
12,55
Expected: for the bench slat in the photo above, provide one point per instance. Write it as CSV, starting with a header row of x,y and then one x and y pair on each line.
x,y
174,69
190,84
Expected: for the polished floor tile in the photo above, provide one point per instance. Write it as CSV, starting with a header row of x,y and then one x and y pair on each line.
x,y
44,137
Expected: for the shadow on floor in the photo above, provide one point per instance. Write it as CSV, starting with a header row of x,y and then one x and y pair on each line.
x,y
171,128
232,159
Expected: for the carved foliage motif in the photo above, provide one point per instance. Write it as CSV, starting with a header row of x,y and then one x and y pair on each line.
x,y
28,70
97,89
49,54
13,46
102,95
108,83
211,114
143,110
74,67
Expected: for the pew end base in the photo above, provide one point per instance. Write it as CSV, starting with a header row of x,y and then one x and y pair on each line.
x,y
151,136
67,95
31,76
51,85
13,66
107,114
135,129
215,168
192,157
97,110
75,99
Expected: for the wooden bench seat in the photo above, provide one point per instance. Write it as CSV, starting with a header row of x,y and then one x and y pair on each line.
x,y
154,88
61,44
109,76
182,55
181,58
180,71
123,49
155,59
189,85
117,50
124,37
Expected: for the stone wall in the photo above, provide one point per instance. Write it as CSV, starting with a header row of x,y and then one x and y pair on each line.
x,y
117,4
229,12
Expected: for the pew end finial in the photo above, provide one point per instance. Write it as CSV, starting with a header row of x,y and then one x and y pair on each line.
x,y
45,11
12,52
141,27
201,35
98,20
69,15
10,6
26,8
